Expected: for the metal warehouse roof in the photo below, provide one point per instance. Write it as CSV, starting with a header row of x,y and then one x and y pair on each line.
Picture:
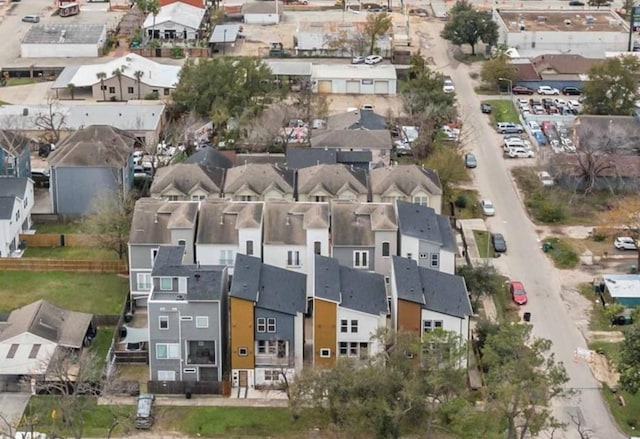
x,y
64,34
225,33
289,68
350,71
622,285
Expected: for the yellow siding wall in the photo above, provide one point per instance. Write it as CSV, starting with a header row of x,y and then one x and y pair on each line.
x,y
324,331
409,314
241,332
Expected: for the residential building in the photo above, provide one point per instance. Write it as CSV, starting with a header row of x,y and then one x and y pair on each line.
x,y
187,181
303,157
259,182
15,159
16,201
175,21
63,40
358,119
187,313
93,162
349,307
210,158
157,223
426,237
267,306
354,79
411,183
228,228
424,300
377,141
364,235
332,182
196,3
32,336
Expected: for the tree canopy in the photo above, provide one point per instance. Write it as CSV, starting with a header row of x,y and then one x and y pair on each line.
x,y
375,26
468,26
495,70
612,88
629,364
110,221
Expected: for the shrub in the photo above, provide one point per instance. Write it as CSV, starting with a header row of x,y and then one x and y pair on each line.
x,y
152,96
461,201
549,211
177,52
562,254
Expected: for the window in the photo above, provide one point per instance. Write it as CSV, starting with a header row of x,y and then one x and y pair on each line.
x,y
435,259
130,90
386,249
166,375
261,324
271,325
12,350
26,202
386,280
249,248
198,197
226,257
163,322
409,255
325,353
182,242
320,198
317,248
18,216
431,325
166,283
167,351
271,375
34,351
103,87
344,326
167,91
155,91
112,89
243,352
353,349
182,285
293,258
421,200
202,322
361,259
272,347
354,326
172,198
143,281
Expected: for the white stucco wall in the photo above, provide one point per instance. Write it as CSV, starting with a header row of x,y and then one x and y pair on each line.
x,y
261,18
367,326
60,50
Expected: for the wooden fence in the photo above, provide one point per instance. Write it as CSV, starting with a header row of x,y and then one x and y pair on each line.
x,y
192,387
70,265
58,240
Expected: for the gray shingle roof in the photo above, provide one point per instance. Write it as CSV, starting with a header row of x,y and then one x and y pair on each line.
x,y
95,145
184,177
270,287
210,157
355,224
424,223
405,178
354,157
258,178
10,188
287,222
363,291
360,139
434,290
219,221
259,158
6,207
332,179
327,278
153,220
358,119
303,157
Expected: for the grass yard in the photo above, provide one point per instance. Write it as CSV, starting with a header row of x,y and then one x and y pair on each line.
x,y
21,81
485,249
59,228
507,310
503,111
70,253
101,344
627,417
562,254
86,292
598,320
466,204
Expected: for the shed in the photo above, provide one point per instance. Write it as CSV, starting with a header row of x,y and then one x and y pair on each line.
x,y
262,12
63,41
354,79
623,288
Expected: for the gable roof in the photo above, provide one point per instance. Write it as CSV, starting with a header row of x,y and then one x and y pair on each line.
x,y
210,157
46,320
405,178
13,143
424,223
304,157
363,139
219,221
184,177
256,158
436,291
363,291
287,222
355,224
269,287
96,145
153,220
258,178
525,71
332,179
357,120
179,13
326,283
10,189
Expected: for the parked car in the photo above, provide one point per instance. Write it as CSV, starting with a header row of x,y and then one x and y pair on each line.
x,y
509,127
522,90
448,86
512,142
31,19
571,91
373,59
518,293
486,108
625,243
533,125
547,90
487,207
420,12
576,3
545,178
470,160
498,242
357,59
144,411
40,177
520,152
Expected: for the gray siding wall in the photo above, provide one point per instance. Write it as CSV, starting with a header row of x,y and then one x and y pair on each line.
x,y
285,329
139,261
344,255
427,248
76,188
383,263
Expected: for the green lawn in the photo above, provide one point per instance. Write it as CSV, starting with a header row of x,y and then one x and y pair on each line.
x,y
467,204
503,111
627,417
87,292
21,81
101,344
485,249
70,253
506,309
59,228
561,253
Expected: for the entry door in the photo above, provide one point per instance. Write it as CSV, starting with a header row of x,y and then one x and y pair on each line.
x,y
243,378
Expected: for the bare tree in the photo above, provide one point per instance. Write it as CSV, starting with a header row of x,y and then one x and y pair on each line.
x,y
52,121
268,128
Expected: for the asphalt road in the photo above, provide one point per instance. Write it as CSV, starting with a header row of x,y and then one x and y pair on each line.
x,y
525,260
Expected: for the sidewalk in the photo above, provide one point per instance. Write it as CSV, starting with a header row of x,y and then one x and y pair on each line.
x,y
202,401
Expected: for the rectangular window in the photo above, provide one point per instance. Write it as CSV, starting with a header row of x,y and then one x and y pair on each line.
x,y
325,353
431,325
354,326
243,352
271,325
226,257
166,283
34,350
249,248
409,255
155,91
154,253
435,260
361,259
130,90
12,350
320,199
271,375
293,258
143,281
167,91
197,197
189,370
344,326
421,200
317,248
167,351
182,285
202,322
166,375
103,87
261,324
272,347
386,249
163,322
112,89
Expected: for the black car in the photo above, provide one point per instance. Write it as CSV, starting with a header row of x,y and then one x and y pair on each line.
x,y
499,243
575,3
571,91
486,108
522,90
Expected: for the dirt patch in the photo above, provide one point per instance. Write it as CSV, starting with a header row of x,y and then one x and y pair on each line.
x,y
602,370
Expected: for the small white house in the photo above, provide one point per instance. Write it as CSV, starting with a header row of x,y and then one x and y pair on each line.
x,y
175,21
16,202
63,41
262,12
380,79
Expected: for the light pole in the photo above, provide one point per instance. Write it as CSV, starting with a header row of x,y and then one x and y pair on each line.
x,y
510,86
224,42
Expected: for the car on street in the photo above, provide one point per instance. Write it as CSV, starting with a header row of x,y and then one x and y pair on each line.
x,y
498,242
487,207
486,108
31,19
576,3
470,160
373,59
448,86
518,293
144,411
547,90
545,178
522,90
357,59
571,91
625,243
509,128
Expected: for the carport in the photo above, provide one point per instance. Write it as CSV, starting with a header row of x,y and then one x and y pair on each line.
x,y
296,73
223,38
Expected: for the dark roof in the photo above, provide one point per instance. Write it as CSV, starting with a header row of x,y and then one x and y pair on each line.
x,y
185,177
10,188
526,72
327,278
219,221
6,207
258,158
423,222
95,145
436,291
270,287
357,120
13,142
363,291
211,158
348,157
362,139
303,157
564,63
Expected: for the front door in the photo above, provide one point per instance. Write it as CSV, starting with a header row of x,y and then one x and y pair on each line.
x,y
243,378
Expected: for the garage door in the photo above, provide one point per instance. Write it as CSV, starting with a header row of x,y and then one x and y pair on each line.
x,y
324,86
353,87
381,87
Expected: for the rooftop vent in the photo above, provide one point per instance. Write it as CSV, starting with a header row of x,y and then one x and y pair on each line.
x,y
567,22
589,19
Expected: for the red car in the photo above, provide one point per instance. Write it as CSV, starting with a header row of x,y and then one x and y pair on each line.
x,y
522,90
518,294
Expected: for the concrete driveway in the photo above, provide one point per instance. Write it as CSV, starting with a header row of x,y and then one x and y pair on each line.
x,y
12,406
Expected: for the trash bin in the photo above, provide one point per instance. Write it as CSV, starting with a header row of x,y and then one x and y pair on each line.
x,y
547,246
527,317
187,392
633,270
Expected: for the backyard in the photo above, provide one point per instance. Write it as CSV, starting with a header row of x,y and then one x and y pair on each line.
x,y
70,253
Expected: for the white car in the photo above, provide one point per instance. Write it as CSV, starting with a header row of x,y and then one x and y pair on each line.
x,y
357,59
373,59
487,207
574,105
546,90
545,178
448,86
568,145
625,243
451,133
520,153
534,126
512,142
